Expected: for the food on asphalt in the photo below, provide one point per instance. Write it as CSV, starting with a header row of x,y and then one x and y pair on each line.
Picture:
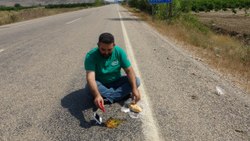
x,y
135,108
113,123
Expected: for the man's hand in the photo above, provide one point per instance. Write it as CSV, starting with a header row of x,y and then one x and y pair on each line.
x,y
136,95
98,99
94,90
132,79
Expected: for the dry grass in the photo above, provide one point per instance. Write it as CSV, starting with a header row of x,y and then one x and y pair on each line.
x,y
223,53
7,17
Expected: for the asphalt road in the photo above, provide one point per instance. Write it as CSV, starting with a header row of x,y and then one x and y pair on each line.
x,y
42,83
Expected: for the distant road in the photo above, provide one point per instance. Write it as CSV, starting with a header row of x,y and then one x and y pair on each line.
x,y
42,83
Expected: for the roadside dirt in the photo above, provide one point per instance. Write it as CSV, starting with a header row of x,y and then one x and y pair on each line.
x,y
226,22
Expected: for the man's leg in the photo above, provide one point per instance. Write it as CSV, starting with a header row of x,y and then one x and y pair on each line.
x,y
117,90
122,88
104,92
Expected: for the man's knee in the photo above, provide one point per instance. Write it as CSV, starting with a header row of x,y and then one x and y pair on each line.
x,y
98,83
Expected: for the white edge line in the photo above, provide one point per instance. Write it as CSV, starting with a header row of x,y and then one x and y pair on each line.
x,y
150,129
1,50
70,22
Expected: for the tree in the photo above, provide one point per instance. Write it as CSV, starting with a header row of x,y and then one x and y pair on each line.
x,y
17,5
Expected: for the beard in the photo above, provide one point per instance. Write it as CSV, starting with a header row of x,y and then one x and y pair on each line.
x,y
106,55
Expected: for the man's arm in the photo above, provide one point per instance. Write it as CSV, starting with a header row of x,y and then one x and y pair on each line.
x,y
131,76
90,75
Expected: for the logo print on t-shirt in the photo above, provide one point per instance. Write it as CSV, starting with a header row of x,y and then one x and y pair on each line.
x,y
114,63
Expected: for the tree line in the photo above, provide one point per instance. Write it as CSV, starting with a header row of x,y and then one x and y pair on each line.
x,y
18,6
179,6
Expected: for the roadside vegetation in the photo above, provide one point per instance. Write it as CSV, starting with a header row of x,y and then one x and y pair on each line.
x,y
223,52
17,13
16,7
209,5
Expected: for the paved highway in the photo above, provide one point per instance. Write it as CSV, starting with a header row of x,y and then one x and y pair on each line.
x,y
42,83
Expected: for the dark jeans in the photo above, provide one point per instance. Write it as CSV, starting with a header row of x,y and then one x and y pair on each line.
x,y
116,90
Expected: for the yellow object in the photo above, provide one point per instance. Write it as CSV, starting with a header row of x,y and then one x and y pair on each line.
x,y
135,108
113,123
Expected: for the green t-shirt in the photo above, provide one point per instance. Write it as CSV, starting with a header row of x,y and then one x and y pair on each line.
x,y
108,69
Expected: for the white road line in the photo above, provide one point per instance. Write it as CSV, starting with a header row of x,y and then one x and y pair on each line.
x,y
1,50
70,22
150,129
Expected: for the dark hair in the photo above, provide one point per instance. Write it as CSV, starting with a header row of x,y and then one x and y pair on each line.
x,y
106,38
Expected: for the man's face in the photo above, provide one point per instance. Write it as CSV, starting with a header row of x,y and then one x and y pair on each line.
x,y
106,49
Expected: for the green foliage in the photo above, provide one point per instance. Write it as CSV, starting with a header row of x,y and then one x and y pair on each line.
x,y
177,7
208,5
98,2
191,22
161,11
7,8
185,6
16,7
141,4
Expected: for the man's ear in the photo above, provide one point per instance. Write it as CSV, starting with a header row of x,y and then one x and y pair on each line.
x,y
113,44
98,44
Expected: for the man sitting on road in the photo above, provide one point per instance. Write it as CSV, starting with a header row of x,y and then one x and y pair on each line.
x,y
103,73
